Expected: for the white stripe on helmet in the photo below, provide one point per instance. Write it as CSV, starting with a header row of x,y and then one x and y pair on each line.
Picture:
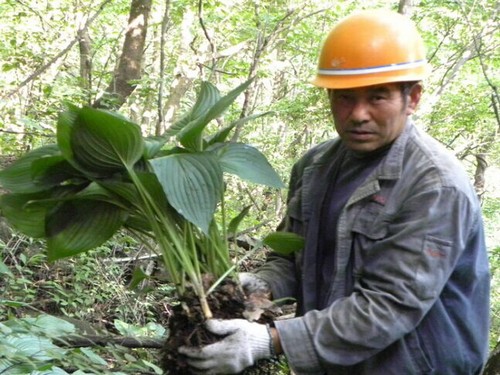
x,y
372,70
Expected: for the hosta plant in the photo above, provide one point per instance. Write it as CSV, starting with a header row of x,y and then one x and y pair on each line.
x,y
103,175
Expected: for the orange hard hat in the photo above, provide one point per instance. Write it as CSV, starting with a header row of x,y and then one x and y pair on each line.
x,y
369,48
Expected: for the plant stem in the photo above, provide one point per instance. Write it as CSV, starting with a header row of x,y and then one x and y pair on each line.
x,y
207,313
178,252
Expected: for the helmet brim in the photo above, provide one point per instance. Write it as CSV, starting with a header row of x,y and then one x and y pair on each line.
x,y
361,80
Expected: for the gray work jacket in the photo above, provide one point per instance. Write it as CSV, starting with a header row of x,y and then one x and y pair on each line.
x,y
410,290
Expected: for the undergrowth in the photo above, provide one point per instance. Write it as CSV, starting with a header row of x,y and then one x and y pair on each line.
x,y
90,294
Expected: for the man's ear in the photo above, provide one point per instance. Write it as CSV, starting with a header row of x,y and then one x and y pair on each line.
x,y
413,98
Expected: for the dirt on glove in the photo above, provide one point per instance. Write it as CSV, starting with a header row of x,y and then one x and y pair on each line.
x,y
186,325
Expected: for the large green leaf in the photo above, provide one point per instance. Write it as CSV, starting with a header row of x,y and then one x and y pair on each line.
x,y
207,97
18,177
101,142
248,163
129,194
126,195
65,123
222,134
153,145
48,325
32,347
236,221
54,171
121,189
191,135
224,102
26,218
193,184
284,243
80,225
95,191
156,191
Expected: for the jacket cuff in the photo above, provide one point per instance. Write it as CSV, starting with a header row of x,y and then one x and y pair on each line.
x,y
302,357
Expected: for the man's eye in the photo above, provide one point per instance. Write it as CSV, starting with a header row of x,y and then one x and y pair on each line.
x,y
377,98
344,98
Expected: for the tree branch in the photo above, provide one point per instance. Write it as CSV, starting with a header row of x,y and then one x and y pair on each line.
x,y
70,45
165,25
205,32
263,42
77,341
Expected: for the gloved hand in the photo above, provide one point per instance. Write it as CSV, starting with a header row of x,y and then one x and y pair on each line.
x,y
246,343
252,283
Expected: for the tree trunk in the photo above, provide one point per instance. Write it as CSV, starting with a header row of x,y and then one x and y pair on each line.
x,y
406,6
129,65
479,179
165,25
185,73
85,60
481,157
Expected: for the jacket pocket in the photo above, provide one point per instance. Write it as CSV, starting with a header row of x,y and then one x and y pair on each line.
x,y
294,221
417,353
369,227
406,356
294,209
371,222
432,270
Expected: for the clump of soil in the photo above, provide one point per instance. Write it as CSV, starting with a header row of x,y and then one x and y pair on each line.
x,y
186,325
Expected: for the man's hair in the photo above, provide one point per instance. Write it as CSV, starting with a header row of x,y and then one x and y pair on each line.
x,y
406,86
406,89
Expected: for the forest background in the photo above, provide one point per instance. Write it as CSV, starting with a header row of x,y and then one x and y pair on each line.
x,y
146,59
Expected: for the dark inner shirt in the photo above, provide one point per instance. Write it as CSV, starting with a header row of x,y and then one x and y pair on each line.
x,y
346,174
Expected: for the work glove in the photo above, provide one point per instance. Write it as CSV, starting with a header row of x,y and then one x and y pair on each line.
x,y
252,283
245,343
258,296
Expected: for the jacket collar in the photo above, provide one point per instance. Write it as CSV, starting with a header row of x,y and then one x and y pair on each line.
x,y
389,169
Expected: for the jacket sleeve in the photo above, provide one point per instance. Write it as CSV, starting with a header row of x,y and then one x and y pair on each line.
x,y
280,271
402,263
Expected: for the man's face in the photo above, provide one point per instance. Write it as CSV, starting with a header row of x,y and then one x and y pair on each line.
x,y
369,118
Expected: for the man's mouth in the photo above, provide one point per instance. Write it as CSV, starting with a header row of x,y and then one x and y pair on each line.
x,y
360,135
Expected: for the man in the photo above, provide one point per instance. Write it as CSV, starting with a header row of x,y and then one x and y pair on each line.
x,y
393,278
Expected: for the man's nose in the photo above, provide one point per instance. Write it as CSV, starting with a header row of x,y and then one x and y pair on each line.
x,y
360,111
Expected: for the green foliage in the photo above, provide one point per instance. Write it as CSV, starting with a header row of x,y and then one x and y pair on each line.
x,y
27,347
92,287
284,243
92,290
96,180
455,107
473,122
24,350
